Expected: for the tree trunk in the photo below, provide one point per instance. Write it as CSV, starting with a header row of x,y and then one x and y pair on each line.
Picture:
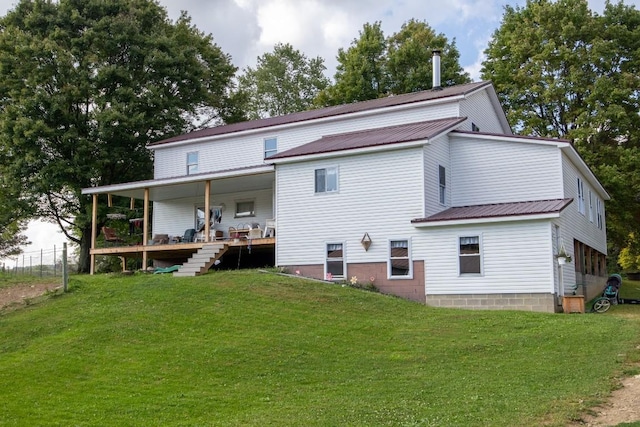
x,y
84,258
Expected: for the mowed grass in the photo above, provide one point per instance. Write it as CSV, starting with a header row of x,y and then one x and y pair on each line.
x,y
246,348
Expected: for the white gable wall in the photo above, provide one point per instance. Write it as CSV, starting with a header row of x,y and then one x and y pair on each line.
x,y
489,171
517,257
480,111
378,194
436,154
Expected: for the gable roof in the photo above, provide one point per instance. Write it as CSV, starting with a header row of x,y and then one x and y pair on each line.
x,y
373,137
355,107
497,210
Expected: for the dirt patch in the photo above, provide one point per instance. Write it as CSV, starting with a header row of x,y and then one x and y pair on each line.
x,y
623,406
21,294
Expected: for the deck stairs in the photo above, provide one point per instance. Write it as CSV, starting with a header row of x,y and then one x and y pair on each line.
x,y
202,260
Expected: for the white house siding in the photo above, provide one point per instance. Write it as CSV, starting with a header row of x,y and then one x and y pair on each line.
x,y
517,257
436,154
488,171
378,194
247,149
577,225
480,111
173,217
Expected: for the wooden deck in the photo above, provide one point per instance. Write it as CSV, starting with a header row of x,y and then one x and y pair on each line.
x,y
177,250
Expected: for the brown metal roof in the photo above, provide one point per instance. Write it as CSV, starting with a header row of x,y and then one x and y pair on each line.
x,y
373,137
337,110
498,210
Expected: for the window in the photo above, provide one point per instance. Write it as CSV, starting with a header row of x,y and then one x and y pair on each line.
x,y
469,255
599,213
591,206
442,175
326,180
192,162
475,127
580,196
215,216
334,263
270,147
399,264
245,208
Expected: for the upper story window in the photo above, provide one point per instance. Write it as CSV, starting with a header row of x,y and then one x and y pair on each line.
x,y
469,255
270,147
581,207
599,213
326,180
399,264
591,215
442,177
192,163
474,127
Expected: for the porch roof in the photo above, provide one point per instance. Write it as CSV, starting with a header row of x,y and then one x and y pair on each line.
x,y
223,181
514,210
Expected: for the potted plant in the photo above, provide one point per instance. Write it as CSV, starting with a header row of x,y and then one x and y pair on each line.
x,y
562,256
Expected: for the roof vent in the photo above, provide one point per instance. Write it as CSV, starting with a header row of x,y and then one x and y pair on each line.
x,y
436,70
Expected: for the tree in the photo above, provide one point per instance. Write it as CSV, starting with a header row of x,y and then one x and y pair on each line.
x,y
375,66
284,81
361,71
86,84
563,71
14,210
410,53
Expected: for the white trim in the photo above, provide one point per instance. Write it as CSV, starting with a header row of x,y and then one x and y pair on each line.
x,y
344,259
409,255
501,219
480,254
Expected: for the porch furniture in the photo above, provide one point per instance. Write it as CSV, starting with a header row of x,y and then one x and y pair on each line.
x,y
254,233
189,235
160,239
213,235
110,236
270,228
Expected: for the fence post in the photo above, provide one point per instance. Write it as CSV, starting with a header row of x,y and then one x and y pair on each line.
x,y
65,270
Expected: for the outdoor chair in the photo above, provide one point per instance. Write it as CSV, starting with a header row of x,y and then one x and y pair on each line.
x,y
189,235
110,236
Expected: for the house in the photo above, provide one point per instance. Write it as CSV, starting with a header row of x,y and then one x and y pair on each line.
x,y
428,195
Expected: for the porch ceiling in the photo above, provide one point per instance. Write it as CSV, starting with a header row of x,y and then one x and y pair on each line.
x,y
177,188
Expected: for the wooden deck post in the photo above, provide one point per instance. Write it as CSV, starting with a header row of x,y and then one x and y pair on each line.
x,y
207,209
94,231
145,228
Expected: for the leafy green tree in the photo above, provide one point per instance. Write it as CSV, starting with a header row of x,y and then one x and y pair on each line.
x,y
86,84
14,211
375,66
284,81
361,71
409,57
563,71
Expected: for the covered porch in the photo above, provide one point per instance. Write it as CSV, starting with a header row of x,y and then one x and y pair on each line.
x,y
234,209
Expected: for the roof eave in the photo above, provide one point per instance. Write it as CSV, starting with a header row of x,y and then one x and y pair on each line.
x,y
421,223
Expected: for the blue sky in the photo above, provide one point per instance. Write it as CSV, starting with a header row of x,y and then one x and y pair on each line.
x,y
245,29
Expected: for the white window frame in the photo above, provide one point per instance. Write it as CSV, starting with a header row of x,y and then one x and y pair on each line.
x,y
581,207
334,171
591,215
442,184
327,260
599,213
479,255
270,151
245,213
192,166
391,258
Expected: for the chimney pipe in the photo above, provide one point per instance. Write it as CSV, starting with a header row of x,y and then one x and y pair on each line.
x,y
436,70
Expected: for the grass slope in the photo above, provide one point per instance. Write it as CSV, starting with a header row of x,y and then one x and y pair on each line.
x,y
254,349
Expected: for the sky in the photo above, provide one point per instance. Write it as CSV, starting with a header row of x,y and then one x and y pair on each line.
x,y
245,29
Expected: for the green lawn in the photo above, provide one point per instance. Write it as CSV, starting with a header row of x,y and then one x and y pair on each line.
x,y
257,349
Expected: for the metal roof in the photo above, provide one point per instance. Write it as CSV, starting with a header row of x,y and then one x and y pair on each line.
x,y
537,207
373,137
389,101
